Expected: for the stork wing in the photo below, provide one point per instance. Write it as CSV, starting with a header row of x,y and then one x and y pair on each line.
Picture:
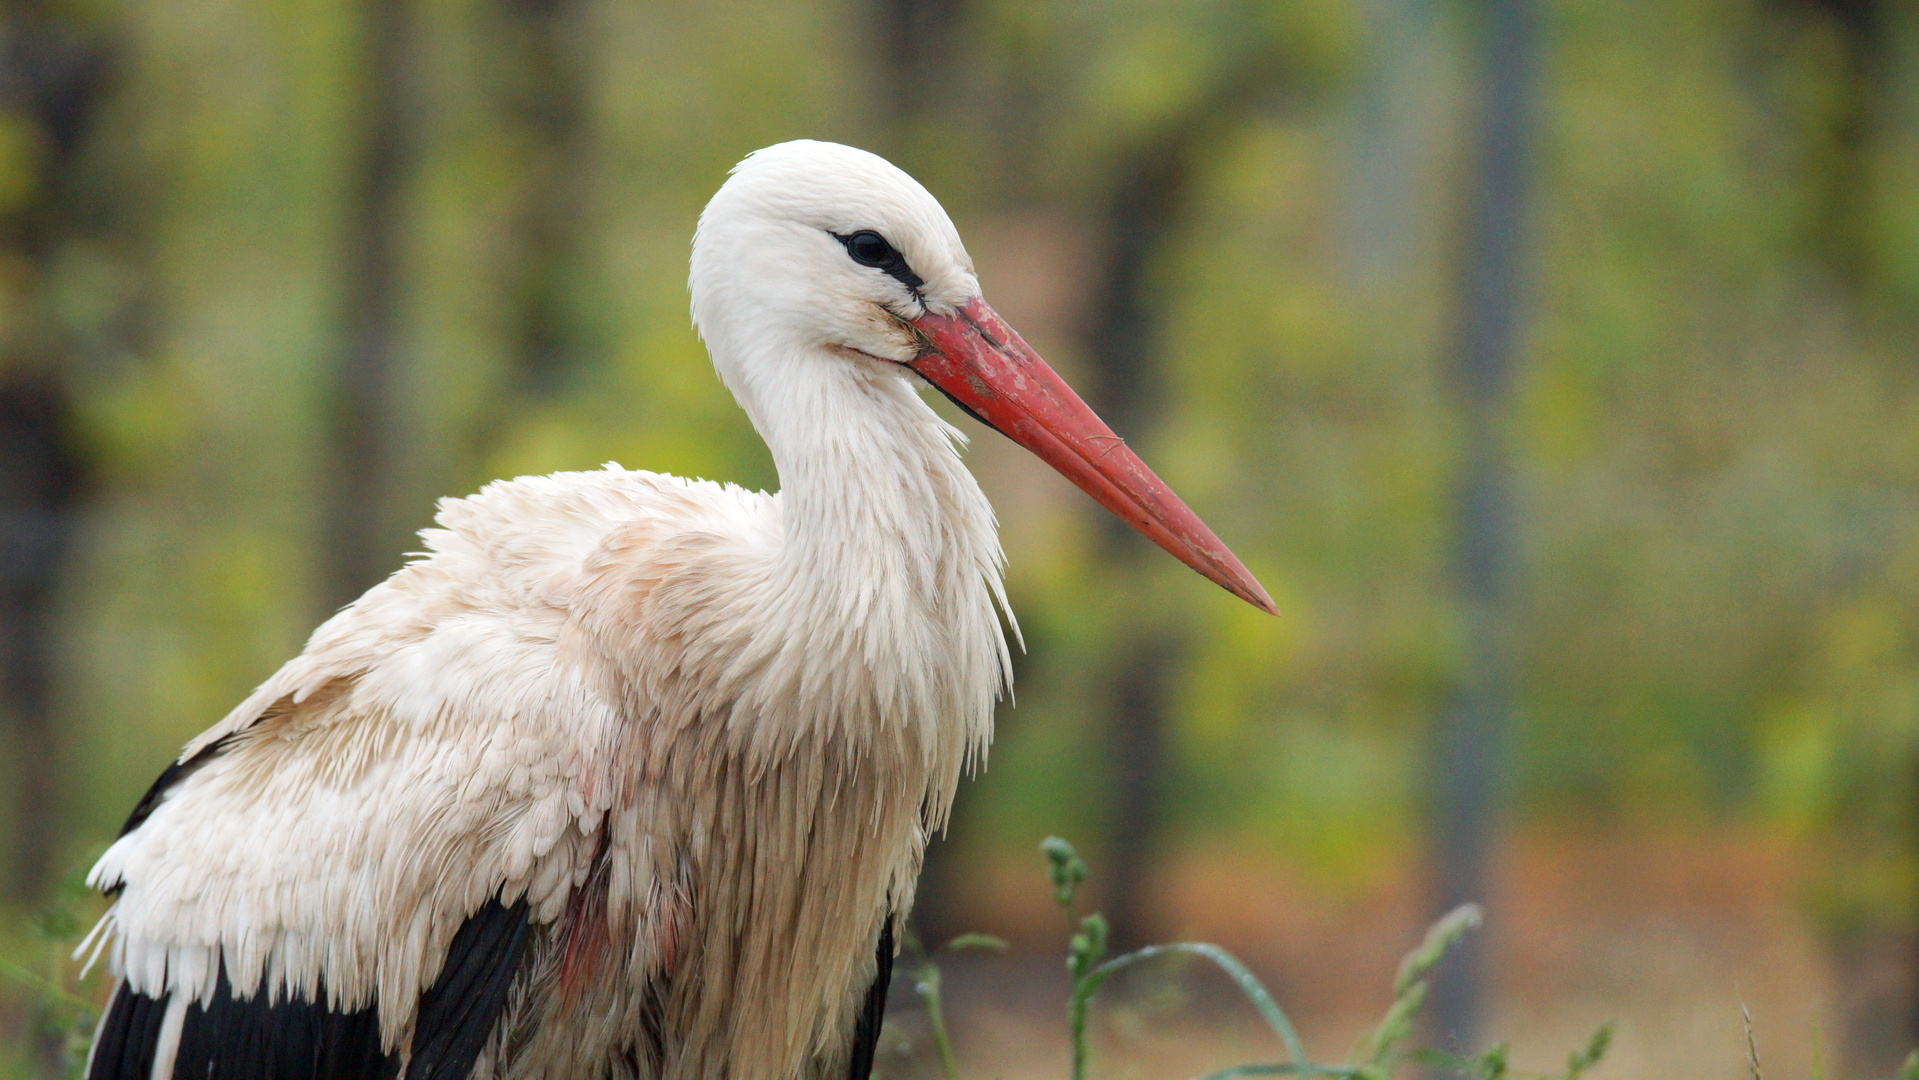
x,y
236,1038
342,878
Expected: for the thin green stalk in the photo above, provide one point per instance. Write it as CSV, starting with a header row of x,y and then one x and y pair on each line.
x,y
927,985
1082,961
1088,983
1076,1005
1244,979
1076,1030
45,987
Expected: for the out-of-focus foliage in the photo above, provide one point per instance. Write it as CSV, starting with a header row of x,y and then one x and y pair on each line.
x,y
1717,430
1378,1056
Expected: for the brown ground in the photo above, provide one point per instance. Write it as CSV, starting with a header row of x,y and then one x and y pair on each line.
x,y
1669,933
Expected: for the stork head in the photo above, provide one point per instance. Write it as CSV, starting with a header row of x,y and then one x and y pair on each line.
x,y
817,253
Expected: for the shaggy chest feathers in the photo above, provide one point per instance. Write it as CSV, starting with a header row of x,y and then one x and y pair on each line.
x,y
613,757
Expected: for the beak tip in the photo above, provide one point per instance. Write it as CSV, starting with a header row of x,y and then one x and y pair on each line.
x,y
1257,597
1231,574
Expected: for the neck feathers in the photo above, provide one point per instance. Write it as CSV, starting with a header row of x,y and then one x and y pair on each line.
x,y
887,583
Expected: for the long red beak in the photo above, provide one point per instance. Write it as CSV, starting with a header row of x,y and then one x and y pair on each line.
x,y
979,362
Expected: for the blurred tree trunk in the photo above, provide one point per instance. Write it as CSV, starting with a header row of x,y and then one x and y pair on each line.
x,y
1469,762
1397,118
545,106
50,77
39,493
916,39
1842,230
1878,1018
358,548
1148,192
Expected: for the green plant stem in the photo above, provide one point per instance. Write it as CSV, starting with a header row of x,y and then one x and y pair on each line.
x,y
1244,979
46,988
928,987
1076,1021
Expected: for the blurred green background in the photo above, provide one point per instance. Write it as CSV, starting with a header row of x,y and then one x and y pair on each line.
x,y
276,274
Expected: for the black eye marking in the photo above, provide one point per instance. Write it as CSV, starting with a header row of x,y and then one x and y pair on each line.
x,y
869,248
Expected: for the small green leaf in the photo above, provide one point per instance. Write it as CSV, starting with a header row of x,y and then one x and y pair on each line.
x,y
1440,1059
1064,866
1087,946
1440,938
976,941
1910,1070
1594,1050
1409,986
1491,1065
1397,1024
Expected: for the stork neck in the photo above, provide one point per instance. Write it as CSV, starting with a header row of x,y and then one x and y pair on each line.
x,y
872,488
880,604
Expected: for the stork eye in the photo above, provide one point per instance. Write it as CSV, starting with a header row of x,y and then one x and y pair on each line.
x,y
869,248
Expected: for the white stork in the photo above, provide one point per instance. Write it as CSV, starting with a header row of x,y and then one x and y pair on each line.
x,y
628,776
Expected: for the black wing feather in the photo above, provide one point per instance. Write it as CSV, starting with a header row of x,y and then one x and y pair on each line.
x,y
458,1014
290,1039
123,1047
866,1030
294,1039
175,772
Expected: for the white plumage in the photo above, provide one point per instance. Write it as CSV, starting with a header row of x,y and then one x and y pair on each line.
x,y
701,733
